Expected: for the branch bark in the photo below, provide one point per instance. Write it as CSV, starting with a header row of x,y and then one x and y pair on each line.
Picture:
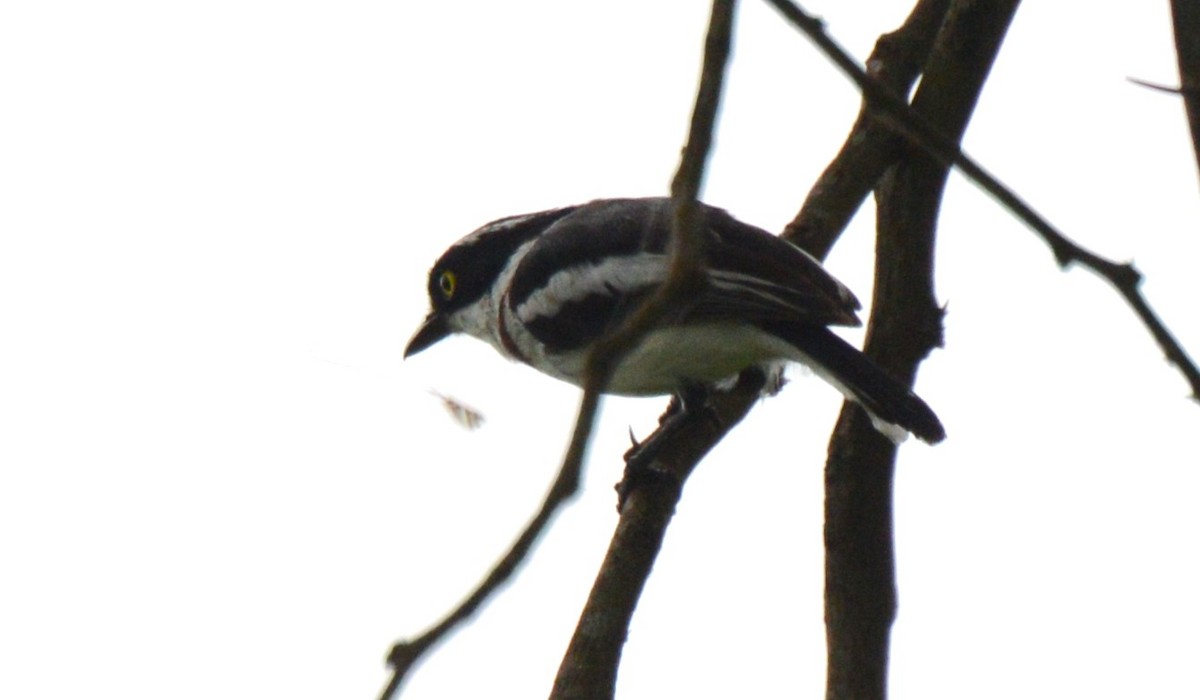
x,y
905,325
872,146
919,131
589,666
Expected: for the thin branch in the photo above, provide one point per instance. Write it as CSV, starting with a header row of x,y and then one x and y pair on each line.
x,y
589,666
684,276
1157,87
405,655
871,147
913,126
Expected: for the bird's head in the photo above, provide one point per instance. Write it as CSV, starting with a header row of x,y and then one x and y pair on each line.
x,y
462,281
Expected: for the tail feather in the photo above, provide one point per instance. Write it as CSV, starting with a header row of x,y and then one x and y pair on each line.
x,y
889,403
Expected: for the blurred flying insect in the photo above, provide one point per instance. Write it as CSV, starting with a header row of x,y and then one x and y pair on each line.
x,y
466,416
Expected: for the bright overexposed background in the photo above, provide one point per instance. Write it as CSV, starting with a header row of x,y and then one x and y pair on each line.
x,y
218,478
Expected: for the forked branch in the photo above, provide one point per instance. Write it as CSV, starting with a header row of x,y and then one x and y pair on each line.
x,y
900,117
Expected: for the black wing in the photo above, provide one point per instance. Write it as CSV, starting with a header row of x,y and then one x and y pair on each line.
x,y
591,268
762,278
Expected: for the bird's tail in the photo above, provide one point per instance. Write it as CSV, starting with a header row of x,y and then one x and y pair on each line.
x,y
893,408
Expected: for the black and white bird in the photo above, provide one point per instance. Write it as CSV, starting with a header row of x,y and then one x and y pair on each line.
x,y
543,288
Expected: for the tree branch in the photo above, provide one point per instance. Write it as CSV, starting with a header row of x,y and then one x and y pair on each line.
x,y
405,655
872,147
589,667
905,325
683,279
824,215
918,130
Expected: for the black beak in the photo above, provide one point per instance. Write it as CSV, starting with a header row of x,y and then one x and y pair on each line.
x,y
431,331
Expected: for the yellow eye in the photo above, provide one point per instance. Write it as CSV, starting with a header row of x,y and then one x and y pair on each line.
x,y
447,282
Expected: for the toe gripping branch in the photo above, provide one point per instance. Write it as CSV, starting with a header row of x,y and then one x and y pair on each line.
x,y
650,464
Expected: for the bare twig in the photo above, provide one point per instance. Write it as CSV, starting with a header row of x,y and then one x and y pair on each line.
x,y
872,147
913,126
686,259
405,655
685,276
589,666
1157,87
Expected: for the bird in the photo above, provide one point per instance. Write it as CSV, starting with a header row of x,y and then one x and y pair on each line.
x,y
544,288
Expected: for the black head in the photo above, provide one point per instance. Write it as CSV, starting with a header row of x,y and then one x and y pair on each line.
x,y
468,269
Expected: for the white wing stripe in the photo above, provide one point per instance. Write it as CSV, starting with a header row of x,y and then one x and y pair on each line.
x,y
615,275
737,283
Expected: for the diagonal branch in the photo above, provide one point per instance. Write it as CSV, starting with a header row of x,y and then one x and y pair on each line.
x,y
918,130
871,147
405,655
589,667
684,276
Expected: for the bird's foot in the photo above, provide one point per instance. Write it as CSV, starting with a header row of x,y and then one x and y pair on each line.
x,y
641,460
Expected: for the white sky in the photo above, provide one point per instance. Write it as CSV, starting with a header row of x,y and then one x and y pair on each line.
x,y
220,480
